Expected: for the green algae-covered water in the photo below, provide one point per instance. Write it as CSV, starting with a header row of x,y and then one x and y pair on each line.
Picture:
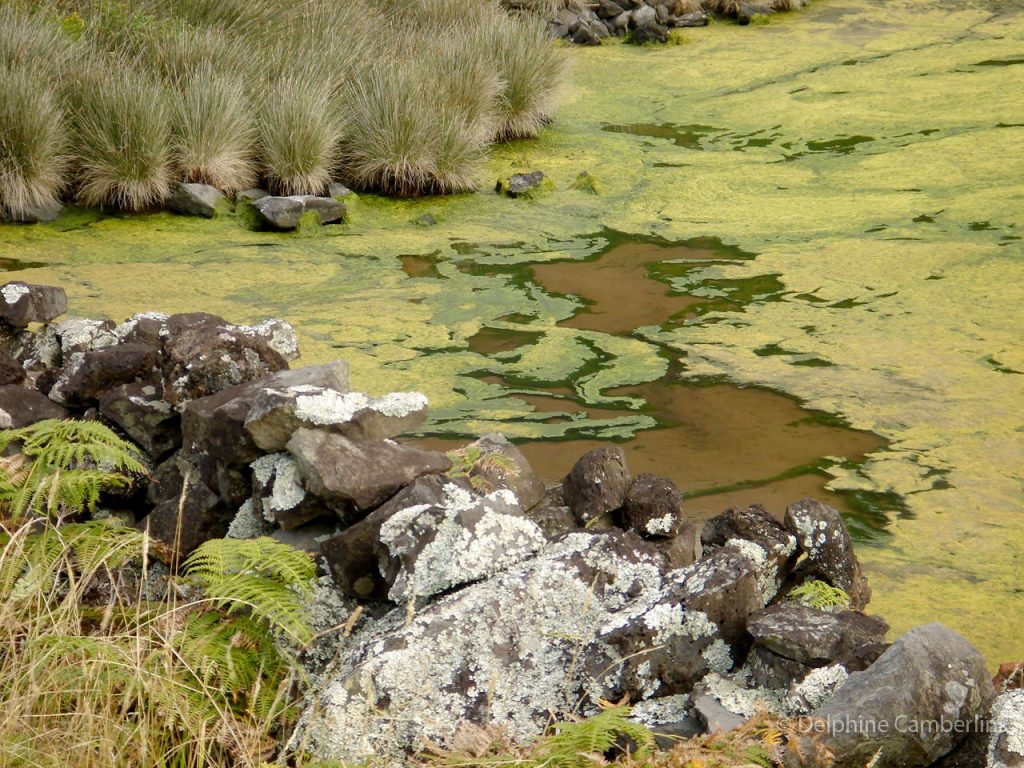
x,y
827,208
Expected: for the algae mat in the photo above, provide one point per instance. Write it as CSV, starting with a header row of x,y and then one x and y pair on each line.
x,y
862,164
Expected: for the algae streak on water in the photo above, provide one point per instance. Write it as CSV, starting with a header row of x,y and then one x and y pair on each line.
x,y
868,153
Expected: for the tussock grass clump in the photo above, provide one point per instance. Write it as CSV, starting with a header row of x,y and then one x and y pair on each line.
x,y
532,70
402,97
33,142
123,140
214,132
299,135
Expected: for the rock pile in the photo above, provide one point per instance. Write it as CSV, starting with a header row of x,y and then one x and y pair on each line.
x,y
490,598
643,21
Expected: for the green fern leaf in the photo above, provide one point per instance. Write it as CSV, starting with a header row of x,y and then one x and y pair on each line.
x,y
574,742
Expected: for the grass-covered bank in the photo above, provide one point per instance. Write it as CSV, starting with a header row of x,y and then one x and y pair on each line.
x,y
112,102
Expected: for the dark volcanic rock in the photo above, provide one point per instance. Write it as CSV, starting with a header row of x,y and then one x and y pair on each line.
x,y
87,376
20,407
522,184
653,507
822,535
758,536
204,354
811,636
551,514
143,415
684,548
11,371
22,303
327,209
364,473
930,675
597,483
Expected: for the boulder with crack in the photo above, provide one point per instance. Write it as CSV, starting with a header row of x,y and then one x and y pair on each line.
x,y
431,548
823,537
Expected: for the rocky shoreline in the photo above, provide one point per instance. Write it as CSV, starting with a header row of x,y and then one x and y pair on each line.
x,y
460,591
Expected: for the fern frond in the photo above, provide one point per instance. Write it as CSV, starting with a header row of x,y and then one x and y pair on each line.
x,y
575,744
815,593
72,444
269,579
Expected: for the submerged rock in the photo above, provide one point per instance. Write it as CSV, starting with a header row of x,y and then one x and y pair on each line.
x,y
523,184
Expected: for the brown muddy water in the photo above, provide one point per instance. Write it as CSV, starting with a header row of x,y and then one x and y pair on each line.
x,y
723,444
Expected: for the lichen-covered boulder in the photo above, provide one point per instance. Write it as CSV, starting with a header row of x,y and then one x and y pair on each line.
x,y
354,554
434,547
78,334
653,507
552,514
363,473
500,652
920,699
823,537
597,483
277,413
23,303
215,424
497,464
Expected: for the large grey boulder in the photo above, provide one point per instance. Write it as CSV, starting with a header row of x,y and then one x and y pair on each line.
x,y
501,652
364,473
197,200
432,548
277,413
823,537
79,334
908,709
597,484
327,209
280,213
22,303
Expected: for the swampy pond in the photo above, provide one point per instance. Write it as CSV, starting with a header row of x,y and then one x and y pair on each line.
x,y
804,275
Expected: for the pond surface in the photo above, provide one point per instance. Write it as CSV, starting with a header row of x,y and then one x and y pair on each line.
x,y
825,211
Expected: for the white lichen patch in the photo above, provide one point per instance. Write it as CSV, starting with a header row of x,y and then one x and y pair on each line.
x,y
510,640
12,292
280,474
248,524
399,404
125,328
326,406
1007,729
816,688
463,539
766,567
661,711
279,335
661,525
733,693
82,335
718,657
